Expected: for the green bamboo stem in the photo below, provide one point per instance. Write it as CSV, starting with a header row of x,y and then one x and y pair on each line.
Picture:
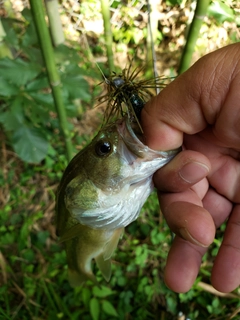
x,y
152,38
107,33
55,24
54,79
200,13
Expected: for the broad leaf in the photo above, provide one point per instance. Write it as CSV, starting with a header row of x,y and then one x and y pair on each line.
x,y
109,309
30,36
38,84
30,145
94,309
44,99
37,112
65,54
102,292
11,37
76,87
18,71
220,11
14,117
7,89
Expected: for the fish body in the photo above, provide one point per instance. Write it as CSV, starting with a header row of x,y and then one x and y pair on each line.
x,y
102,191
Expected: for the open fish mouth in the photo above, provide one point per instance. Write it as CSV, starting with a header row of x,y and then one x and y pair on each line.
x,y
117,207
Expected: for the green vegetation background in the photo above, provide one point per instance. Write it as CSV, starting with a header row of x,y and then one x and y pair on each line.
x,y
33,270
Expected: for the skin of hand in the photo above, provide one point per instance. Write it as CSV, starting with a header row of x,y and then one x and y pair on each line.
x,y
200,188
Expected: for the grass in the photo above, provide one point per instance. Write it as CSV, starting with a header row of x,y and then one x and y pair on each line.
x,y
33,270
33,266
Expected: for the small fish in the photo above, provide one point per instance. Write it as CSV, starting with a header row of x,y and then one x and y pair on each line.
x,y
102,191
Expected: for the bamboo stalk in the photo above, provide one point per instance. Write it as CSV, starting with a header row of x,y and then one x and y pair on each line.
x,y
152,38
55,24
107,33
199,14
54,79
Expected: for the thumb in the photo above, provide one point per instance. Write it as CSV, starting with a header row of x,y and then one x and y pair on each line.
x,y
191,101
173,112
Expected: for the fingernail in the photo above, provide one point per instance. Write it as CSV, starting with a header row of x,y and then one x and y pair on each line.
x,y
193,172
187,236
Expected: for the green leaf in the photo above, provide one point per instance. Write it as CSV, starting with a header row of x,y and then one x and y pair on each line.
x,y
76,87
43,99
13,118
109,309
18,71
7,89
11,37
86,295
64,54
30,145
94,309
220,11
29,255
38,84
30,36
102,292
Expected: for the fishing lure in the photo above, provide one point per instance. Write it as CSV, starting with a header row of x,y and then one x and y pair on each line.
x,y
127,94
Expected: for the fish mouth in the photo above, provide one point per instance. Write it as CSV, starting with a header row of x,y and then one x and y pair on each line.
x,y
134,140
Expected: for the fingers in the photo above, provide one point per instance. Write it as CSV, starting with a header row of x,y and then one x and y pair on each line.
x,y
185,170
226,269
197,98
218,206
191,222
192,211
224,174
183,263
195,229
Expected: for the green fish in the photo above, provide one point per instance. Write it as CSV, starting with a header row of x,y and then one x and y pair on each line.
x,y
101,192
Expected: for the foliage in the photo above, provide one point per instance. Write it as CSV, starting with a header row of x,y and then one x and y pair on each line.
x,y
33,281
221,12
27,108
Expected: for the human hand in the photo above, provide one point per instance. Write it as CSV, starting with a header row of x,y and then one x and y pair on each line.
x,y
200,188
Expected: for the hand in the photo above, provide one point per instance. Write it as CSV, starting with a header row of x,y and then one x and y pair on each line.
x,y
200,188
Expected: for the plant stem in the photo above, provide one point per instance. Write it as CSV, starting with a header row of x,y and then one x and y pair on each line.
x,y
54,22
152,38
107,33
54,79
200,13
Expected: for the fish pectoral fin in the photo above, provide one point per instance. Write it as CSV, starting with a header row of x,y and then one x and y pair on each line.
x,y
71,233
104,266
111,245
104,259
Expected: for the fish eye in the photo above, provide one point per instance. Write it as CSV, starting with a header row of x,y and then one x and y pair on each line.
x,y
103,148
